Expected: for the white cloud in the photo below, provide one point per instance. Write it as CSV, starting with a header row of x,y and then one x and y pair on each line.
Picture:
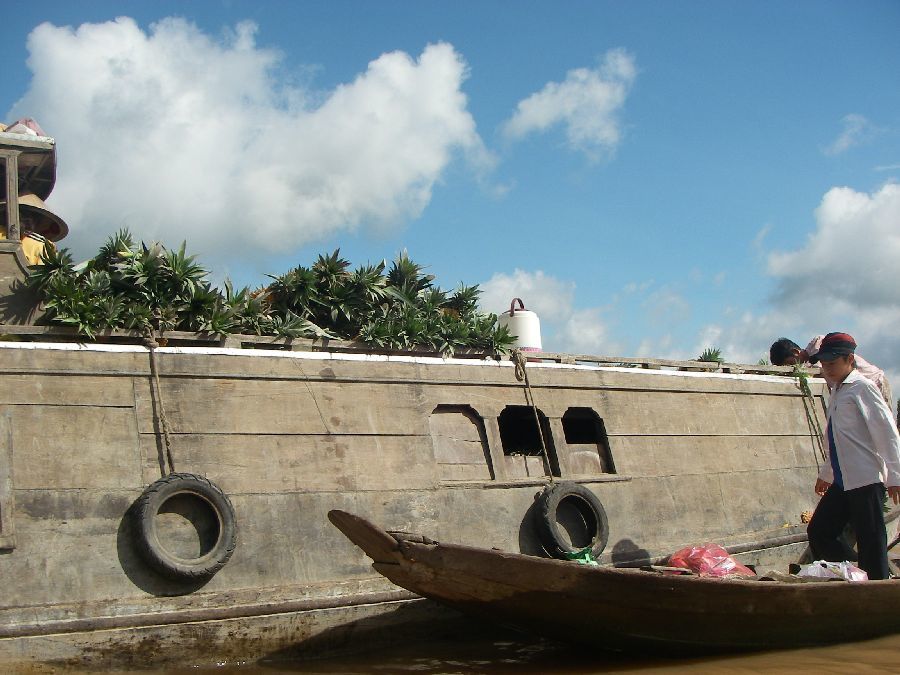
x,y
180,136
665,306
585,332
655,348
747,339
545,295
760,237
845,278
852,255
564,327
587,102
857,130
635,287
876,333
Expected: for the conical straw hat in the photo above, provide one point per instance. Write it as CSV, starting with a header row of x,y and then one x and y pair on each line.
x,y
43,221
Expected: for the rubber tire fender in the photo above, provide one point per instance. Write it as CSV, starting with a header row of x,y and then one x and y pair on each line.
x,y
147,541
588,505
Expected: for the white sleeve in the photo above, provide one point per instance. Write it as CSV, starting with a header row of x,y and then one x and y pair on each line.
x,y
882,430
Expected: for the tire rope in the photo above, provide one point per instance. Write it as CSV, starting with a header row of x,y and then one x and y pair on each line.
x,y
156,392
522,376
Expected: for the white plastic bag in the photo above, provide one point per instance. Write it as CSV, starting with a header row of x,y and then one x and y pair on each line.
x,y
823,569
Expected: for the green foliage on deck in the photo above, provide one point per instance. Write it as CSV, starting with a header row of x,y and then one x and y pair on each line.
x,y
712,355
151,288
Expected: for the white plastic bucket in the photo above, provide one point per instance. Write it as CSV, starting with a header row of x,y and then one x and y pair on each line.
x,y
524,325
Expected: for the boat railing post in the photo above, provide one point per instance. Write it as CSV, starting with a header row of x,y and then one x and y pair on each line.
x,y
11,160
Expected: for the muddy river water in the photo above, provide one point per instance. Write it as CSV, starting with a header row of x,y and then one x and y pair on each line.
x,y
502,652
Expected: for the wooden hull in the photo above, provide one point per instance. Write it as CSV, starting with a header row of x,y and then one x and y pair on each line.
x,y
627,609
683,457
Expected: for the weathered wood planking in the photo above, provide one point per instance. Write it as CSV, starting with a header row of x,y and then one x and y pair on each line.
x,y
73,447
7,499
210,599
67,547
702,414
67,390
322,366
282,542
219,405
703,410
668,455
213,637
279,463
683,509
66,359
460,444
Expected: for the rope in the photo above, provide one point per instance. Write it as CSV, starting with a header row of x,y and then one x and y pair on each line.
x,y
312,395
156,392
812,419
522,376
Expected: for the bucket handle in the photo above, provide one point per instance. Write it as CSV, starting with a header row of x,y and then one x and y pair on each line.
x,y
512,306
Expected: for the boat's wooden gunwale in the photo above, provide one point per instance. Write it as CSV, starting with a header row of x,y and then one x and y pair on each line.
x,y
251,343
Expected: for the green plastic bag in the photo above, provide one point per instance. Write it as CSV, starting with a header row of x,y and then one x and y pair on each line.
x,y
583,556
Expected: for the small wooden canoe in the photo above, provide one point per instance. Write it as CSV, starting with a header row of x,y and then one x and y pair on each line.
x,y
628,609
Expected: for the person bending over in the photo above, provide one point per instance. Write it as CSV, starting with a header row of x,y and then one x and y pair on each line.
x,y
785,352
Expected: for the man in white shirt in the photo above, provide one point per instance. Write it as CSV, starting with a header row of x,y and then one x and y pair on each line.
x,y
864,462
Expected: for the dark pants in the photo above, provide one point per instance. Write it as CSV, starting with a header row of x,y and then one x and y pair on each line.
x,y
862,508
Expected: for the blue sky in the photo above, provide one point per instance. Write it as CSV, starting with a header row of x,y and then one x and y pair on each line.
x,y
651,177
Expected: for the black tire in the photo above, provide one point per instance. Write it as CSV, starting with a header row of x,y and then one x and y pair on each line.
x,y
586,522
205,499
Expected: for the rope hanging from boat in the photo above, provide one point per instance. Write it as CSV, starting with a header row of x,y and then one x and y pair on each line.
x,y
312,395
156,392
894,542
522,376
809,403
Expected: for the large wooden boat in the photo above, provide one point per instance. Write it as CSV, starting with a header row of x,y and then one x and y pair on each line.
x,y
628,609
177,495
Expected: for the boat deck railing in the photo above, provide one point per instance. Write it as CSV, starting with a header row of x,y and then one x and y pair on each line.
x,y
9,332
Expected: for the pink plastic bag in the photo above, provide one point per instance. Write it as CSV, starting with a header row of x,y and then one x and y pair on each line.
x,y
27,126
709,560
